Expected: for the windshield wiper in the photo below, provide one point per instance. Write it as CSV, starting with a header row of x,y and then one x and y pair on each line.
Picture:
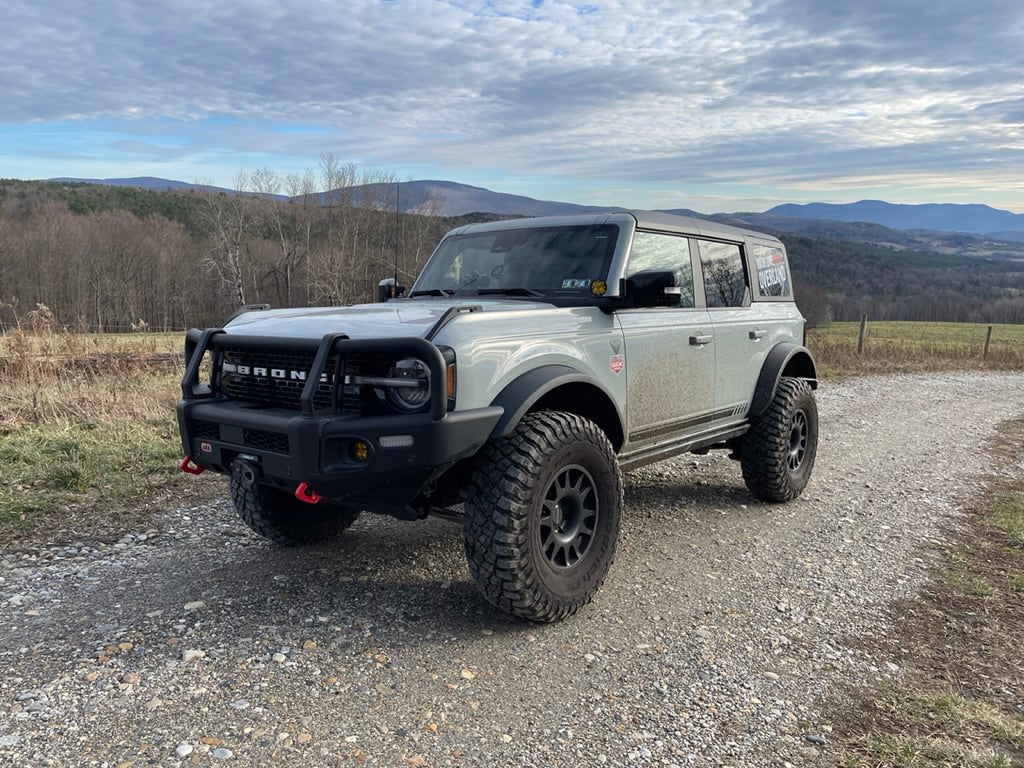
x,y
433,292
508,292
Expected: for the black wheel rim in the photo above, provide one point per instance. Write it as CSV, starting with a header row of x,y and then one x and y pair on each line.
x,y
797,440
568,517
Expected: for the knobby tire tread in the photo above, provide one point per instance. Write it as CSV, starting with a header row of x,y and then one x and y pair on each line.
x,y
278,517
497,524
766,445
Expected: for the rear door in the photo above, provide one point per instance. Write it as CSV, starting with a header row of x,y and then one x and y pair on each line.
x,y
740,341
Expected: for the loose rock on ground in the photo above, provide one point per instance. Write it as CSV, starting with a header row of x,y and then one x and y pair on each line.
x,y
724,627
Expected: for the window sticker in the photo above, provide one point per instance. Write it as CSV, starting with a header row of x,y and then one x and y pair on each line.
x,y
771,271
598,288
573,282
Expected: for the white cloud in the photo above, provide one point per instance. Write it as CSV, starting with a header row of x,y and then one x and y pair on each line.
x,y
784,92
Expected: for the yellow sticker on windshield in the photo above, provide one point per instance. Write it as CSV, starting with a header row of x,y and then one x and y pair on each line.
x,y
598,288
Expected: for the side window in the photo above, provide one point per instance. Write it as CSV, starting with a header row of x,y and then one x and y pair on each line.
x,y
725,282
772,279
653,251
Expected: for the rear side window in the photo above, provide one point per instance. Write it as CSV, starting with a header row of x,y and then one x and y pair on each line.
x,y
772,277
725,281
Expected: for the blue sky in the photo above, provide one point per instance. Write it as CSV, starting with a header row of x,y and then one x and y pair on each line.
x,y
725,106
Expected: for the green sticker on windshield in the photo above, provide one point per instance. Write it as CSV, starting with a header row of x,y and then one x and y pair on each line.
x,y
575,283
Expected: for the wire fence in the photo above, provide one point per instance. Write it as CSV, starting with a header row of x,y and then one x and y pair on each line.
x,y
905,346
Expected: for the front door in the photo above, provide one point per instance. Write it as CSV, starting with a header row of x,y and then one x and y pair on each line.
x,y
670,363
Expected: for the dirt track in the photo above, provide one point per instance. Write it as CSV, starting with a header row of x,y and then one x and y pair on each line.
x,y
723,626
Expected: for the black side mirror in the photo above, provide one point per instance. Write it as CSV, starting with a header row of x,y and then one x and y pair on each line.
x,y
388,288
654,288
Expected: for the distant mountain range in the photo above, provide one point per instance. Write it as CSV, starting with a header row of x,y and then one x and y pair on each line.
x,y
453,199
936,217
144,182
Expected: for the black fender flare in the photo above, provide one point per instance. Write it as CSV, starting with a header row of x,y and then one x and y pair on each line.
x,y
522,393
784,359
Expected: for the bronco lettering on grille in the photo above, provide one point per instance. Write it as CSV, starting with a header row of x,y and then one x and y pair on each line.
x,y
279,374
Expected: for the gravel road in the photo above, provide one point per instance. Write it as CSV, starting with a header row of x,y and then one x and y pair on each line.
x,y
721,631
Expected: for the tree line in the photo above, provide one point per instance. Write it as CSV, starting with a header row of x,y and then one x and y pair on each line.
x,y
123,258
845,280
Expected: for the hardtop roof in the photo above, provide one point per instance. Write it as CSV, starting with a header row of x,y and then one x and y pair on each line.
x,y
653,220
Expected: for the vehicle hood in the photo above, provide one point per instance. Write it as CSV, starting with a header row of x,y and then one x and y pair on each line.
x,y
391,319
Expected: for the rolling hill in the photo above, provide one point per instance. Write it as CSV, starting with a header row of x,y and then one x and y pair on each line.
x,y
871,220
944,217
852,267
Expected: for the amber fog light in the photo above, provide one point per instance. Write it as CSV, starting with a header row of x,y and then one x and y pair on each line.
x,y
360,451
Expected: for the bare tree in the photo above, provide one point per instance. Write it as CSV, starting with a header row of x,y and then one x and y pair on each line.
x,y
422,228
813,303
305,206
331,267
290,224
226,220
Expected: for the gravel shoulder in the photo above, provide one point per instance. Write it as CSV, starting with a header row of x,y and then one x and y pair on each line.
x,y
723,628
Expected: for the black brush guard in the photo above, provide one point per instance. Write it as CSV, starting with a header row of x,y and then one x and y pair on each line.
x,y
309,451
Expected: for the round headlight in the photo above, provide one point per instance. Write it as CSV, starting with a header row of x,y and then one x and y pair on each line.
x,y
416,394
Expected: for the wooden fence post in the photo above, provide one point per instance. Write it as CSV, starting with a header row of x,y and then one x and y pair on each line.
x,y
861,333
988,338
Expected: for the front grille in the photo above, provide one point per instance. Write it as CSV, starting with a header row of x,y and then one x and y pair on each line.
x,y
275,377
272,377
352,400
262,439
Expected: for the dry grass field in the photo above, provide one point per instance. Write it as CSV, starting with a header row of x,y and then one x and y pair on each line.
x,y
87,420
87,425
911,346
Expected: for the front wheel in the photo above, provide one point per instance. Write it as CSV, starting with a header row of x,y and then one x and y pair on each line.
x,y
777,454
542,516
277,515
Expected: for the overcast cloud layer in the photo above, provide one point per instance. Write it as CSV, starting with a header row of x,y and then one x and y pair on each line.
x,y
652,103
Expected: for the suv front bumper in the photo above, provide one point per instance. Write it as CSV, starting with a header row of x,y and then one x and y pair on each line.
x,y
378,463
403,453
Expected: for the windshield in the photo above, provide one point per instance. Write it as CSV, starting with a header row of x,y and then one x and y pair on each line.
x,y
563,260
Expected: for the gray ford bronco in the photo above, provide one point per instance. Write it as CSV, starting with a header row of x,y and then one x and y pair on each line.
x,y
532,362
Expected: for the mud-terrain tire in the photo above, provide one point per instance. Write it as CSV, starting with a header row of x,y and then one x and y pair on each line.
x,y
542,516
777,454
277,515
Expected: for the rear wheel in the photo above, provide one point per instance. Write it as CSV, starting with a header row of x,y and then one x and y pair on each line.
x,y
777,454
279,516
542,516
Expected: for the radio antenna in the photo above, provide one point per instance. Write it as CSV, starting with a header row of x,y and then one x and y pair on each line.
x,y
398,208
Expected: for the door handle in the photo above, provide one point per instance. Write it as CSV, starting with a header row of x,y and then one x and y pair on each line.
x,y
698,341
758,334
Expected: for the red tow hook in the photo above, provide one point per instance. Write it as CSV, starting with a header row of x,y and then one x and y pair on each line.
x,y
187,465
306,494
